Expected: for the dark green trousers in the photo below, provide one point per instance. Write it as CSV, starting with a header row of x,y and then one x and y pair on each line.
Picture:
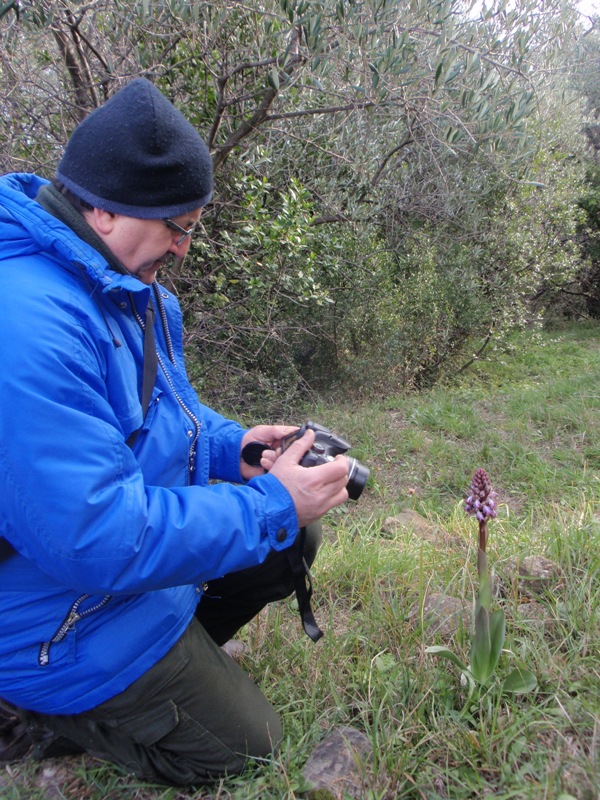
x,y
195,715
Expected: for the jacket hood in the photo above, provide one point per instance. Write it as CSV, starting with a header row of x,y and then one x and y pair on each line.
x,y
27,228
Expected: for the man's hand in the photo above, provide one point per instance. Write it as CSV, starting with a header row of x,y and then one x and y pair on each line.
x,y
269,435
314,490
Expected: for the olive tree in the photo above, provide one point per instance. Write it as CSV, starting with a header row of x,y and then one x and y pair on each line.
x,y
349,138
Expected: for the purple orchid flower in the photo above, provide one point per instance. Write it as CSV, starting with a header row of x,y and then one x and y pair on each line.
x,y
481,503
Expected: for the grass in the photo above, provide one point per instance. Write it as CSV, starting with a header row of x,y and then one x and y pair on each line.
x,y
529,416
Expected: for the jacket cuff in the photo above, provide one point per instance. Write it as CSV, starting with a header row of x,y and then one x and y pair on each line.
x,y
280,521
226,452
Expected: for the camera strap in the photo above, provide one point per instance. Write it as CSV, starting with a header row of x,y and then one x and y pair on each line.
x,y
149,369
303,586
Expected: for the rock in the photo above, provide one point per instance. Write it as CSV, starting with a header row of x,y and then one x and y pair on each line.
x,y
235,649
423,529
531,576
441,614
533,615
335,768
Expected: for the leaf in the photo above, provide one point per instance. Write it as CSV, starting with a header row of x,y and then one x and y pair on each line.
x,y
482,110
487,81
519,681
443,652
7,7
481,647
485,581
375,77
497,636
384,662
274,78
438,72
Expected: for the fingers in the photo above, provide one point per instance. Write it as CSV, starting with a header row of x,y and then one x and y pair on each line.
x,y
316,489
298,449
339,473
317,505
271,435
281,431
268,458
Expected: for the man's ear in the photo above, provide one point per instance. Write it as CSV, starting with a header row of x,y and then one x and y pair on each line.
x,y
103,222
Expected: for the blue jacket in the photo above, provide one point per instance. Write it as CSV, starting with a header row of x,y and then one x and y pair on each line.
x,y
113,543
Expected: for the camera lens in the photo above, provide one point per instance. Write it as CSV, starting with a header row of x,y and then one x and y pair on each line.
x,y
358,475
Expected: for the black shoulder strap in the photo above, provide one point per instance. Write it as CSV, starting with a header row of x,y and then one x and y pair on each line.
x,y
303,585
150,367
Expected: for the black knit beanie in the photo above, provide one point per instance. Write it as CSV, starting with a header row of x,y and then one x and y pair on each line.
x,y
137,155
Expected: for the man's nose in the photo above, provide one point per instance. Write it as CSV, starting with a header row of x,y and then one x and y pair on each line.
x,y
179,250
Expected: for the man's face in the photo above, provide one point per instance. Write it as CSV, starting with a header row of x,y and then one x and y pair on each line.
x,y
144,245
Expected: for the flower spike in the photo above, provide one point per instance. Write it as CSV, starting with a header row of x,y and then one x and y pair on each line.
x,y
481,503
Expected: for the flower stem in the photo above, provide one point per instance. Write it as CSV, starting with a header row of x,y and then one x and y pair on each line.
x,y
483,535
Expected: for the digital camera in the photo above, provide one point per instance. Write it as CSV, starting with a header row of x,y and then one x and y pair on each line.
x,y
326,447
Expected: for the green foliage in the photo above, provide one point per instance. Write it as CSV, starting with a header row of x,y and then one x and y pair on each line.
x,y
584,295
262,267
397,183
9,6
415,311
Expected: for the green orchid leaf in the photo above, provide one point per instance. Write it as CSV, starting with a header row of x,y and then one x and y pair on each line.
x,y
485,581
443,652
481,647
497,636
519,681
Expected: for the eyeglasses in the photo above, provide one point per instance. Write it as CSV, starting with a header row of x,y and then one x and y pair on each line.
x,y
173,226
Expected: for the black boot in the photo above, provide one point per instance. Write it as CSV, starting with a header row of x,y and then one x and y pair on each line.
x,y
22,736
15,739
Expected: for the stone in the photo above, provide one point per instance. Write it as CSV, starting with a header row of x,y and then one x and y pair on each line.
x,y
336,767
531,577
533,615
235,649
441,614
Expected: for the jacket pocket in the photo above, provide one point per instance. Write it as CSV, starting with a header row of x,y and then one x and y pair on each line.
x,y
64,634
152,409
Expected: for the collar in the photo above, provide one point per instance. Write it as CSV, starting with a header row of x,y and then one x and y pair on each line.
x,y
57,204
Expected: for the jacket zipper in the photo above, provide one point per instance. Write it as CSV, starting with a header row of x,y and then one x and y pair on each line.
x,y
68,624
196,422
165,326
171,354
